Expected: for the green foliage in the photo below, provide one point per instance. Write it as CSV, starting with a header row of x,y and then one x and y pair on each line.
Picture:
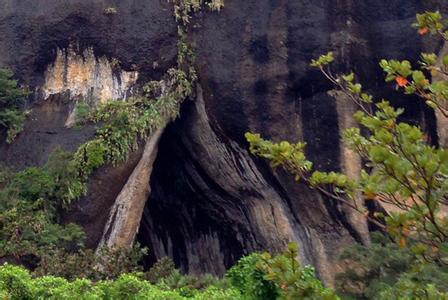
x,y
432,22
383,268
188,285
292,158
162,269
29,201
262,276
372,267
11,97
33,183
291,279
279,153
257,276
16,283
82,112
184,9
53,183
165,275
30,234
26,230
323,60
409,290
84,263
249,279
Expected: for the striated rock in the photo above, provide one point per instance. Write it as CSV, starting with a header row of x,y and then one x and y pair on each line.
x,y
206,215
442,121
351,164
86,76
127,210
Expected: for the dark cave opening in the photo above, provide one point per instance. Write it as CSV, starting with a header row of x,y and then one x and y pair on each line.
x,y
183,218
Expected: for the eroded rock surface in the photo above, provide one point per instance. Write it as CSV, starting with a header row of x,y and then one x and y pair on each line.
x,y
85,76
126,213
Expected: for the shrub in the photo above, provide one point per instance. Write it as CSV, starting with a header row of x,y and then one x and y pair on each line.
x,y
11,98
370,268
82,112
108,263
26,232
384,266
16,283
250,280
262,276
162,269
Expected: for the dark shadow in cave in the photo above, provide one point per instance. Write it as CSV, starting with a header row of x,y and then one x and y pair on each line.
x,y
184,217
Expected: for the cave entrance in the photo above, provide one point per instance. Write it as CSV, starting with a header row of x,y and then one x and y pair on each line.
x,y
184,219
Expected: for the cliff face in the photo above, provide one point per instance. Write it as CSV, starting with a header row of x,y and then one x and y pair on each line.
x,y
211,201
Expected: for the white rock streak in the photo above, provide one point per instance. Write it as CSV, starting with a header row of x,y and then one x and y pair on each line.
x,y
86,78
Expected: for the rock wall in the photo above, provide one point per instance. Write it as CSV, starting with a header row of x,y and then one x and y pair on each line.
x,y
126,213
211,201
442,122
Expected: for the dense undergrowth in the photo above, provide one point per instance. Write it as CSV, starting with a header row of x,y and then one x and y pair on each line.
x,y
257,276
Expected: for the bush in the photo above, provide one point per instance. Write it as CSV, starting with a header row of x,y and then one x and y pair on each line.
x,y
262,276
257,276
108,263
249,280
162,269
11,98
15,282
82,113
371,267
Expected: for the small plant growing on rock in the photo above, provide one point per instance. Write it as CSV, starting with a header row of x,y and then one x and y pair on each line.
x,y
110,11
114,63
216,5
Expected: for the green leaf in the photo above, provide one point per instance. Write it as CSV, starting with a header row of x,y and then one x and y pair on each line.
x,y
445,60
